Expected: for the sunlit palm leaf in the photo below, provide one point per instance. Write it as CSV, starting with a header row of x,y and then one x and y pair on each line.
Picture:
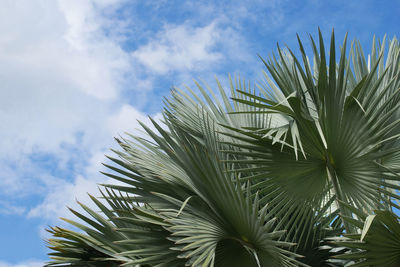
x,y
205,208
343,127
251,173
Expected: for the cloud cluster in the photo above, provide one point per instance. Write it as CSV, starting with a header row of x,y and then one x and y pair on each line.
x,y
62,78
30,263
180,48
66,83
62,98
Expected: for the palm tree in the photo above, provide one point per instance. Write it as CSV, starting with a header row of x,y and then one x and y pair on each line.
x,y
267,176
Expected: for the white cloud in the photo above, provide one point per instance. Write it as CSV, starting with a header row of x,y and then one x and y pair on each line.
x,y
127,120
29,263
8,208
181,48
61,77
64,193
61,82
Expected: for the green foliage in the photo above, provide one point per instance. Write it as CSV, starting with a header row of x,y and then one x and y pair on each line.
x,y
258,178
377,242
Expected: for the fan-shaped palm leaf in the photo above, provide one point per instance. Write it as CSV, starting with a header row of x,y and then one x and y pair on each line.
x,y
378,240
342,126
250,177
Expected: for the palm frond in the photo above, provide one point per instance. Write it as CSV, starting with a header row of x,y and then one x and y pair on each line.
x,y
377,241
260,176
342,126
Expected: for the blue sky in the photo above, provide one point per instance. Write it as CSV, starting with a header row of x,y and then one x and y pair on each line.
x,y
75,73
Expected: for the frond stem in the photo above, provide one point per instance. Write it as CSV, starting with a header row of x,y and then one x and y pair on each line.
x,y
333,178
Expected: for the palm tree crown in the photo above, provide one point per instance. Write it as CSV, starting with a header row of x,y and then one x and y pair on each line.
x,y
275,175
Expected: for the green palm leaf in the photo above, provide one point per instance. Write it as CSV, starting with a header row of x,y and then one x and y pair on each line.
x,y
260,177
378,240
342,127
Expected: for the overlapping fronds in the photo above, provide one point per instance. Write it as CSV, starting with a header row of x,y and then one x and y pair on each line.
x,y
377,242
188,209
259,176
342,130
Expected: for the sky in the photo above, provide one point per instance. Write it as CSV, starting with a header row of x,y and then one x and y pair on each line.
x,y
76,73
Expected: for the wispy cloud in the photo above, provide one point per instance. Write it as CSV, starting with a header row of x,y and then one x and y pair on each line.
x,y
29,263
8,208
64,194
62,79
181,47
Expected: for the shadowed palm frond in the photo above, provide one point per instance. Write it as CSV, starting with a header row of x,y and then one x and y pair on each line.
x,y
377,242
